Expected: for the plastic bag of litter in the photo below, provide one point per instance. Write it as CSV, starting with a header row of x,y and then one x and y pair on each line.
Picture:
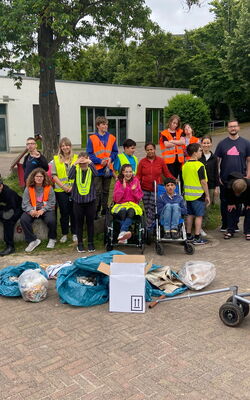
x,y
197,274
33,285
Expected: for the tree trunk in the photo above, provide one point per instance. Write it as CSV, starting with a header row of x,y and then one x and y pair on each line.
x,y
48,103
231,112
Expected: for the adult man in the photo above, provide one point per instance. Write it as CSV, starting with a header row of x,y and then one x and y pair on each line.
x,y
127,157
10,212
102,150
34,159
233,156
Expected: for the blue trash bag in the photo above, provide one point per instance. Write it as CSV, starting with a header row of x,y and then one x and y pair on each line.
x,y
77,294
152,291
9,288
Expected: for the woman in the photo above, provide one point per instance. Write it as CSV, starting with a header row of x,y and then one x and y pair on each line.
x,y
38,202
211,164
84,198
61,165
171,144
189,138
150,169
127,195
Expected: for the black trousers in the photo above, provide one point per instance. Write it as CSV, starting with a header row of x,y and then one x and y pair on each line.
x,y
233,219
102,186
49,217
223,209
82,210
65,204
8,228
175,168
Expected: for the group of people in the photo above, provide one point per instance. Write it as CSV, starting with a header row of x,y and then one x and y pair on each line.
x,y
79,185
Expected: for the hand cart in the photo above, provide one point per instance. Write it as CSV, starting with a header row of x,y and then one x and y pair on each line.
x,y
231,313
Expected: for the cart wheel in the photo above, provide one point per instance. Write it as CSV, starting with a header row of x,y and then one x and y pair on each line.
x,y
244,306
159,249
109,247
189,248
230,314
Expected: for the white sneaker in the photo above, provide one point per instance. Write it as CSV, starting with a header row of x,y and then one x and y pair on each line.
x,y
74,238
121,234
64,239
51,244
123,241
203,233
32,245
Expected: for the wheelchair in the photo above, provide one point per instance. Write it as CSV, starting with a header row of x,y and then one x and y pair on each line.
x,y
112,229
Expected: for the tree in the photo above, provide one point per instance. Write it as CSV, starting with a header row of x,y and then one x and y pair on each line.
x,y
45,27
192,110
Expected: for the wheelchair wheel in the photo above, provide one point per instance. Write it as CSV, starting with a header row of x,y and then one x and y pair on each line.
x,y
142,248
189,248
230,314
159,249
244,306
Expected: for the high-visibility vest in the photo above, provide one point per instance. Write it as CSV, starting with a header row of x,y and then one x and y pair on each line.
x,y
32,194
124,160
192,185
100,150
83,187
169,153
193,139
129,204
61,172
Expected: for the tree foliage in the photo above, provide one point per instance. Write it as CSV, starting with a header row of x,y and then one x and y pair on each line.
x,y
192,110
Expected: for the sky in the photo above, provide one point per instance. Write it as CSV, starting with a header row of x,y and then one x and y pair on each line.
x,y
173,15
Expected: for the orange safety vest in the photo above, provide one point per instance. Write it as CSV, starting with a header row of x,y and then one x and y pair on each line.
x,y
169,153
32,194
193,139
100,150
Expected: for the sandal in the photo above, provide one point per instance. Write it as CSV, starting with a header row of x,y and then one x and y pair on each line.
x,y
248,236
228,235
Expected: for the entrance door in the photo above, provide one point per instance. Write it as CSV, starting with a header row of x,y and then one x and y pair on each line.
x,y
118,128
3,142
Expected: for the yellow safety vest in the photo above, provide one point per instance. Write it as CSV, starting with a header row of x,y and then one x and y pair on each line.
x,y
83,187
124,160
61,172
192,186
129,204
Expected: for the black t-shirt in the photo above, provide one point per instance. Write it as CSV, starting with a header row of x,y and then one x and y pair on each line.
x,y
233,154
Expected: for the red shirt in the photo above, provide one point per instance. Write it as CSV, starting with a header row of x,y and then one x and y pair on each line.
x,y
150,171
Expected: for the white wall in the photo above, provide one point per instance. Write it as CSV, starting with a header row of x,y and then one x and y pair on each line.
x,y
73,95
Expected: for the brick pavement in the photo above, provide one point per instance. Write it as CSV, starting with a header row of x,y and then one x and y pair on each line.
x,y
179,349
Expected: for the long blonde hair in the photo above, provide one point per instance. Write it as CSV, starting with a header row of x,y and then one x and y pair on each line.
x,y
67,142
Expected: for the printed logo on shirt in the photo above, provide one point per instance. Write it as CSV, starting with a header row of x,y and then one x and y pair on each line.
x,y
233,151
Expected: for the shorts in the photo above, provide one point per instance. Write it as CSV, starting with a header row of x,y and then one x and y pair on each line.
x,y
196,208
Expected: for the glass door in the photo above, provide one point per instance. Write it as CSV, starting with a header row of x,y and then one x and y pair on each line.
x,y
3,142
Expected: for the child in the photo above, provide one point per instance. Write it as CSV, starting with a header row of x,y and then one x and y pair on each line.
x,y
170,208
84,198
127,195
195,191
127,157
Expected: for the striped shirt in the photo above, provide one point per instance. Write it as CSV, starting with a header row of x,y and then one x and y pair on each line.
x,y
75,195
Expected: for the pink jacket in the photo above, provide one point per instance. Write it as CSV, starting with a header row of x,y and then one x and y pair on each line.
x,y
122,195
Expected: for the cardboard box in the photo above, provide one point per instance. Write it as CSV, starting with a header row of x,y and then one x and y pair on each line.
x,y
127,282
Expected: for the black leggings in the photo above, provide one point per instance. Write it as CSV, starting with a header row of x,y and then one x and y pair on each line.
x,y
82,210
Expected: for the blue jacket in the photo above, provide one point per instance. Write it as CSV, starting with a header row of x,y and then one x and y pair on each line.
x,y
164,199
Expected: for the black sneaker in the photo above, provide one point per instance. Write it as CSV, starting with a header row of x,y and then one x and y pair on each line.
x,y
167,235
190,238
199,241
236,229
80,248
223,228
91,248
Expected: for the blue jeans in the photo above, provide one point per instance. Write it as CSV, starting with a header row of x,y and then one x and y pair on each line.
x,y
126,218
170,216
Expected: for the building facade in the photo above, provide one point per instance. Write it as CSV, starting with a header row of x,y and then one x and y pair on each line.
x,y
133,112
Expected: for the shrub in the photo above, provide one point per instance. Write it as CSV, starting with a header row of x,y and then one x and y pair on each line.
x,y
192,110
